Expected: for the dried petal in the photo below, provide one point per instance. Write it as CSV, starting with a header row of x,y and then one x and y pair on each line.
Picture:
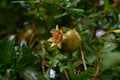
x,y
61,30
53,44
50,39
56,38
57,29
59,45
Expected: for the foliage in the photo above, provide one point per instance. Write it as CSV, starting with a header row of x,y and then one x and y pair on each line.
x,y
16,60
25,27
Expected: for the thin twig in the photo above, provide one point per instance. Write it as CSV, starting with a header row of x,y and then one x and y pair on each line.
x,y
97,64
83,58
96,39
43,61
97,69
66,74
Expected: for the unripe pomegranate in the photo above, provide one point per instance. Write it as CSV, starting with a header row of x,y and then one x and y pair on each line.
x,y
68,42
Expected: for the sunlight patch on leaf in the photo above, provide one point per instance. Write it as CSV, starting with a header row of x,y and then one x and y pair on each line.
x,y
61,15
77,10
12,37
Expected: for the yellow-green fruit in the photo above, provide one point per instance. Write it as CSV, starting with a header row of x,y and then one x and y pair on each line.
x,y
71,41
68,42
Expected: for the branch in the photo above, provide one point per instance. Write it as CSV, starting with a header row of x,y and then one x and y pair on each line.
x,y
83,58
43,61
97,67
66,74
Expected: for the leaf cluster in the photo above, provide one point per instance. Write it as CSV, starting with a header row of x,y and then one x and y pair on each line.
x,y
28,55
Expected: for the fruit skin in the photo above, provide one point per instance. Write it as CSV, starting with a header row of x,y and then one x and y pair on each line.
x,y
68,42
71,41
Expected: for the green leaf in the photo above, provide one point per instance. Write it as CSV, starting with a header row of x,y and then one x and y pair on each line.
x,y
74,3
88,45
82,76
113,74
109,47
62,67
47,0
86,75
91,58
72,74
115,26
61,15
110,59
56,59
53,63
60,56
93,15
2,78
107,5
77,63
57,1
27,57
31,74
7,52
77,10
90,22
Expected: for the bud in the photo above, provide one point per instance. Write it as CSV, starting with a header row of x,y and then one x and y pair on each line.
x,y
68,42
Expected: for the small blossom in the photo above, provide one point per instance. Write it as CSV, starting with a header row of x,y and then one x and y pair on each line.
x,y
52,73
23,42
34,76
101,2
100,32
12,37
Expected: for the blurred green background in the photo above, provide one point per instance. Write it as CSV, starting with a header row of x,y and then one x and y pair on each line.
x,y
25,27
